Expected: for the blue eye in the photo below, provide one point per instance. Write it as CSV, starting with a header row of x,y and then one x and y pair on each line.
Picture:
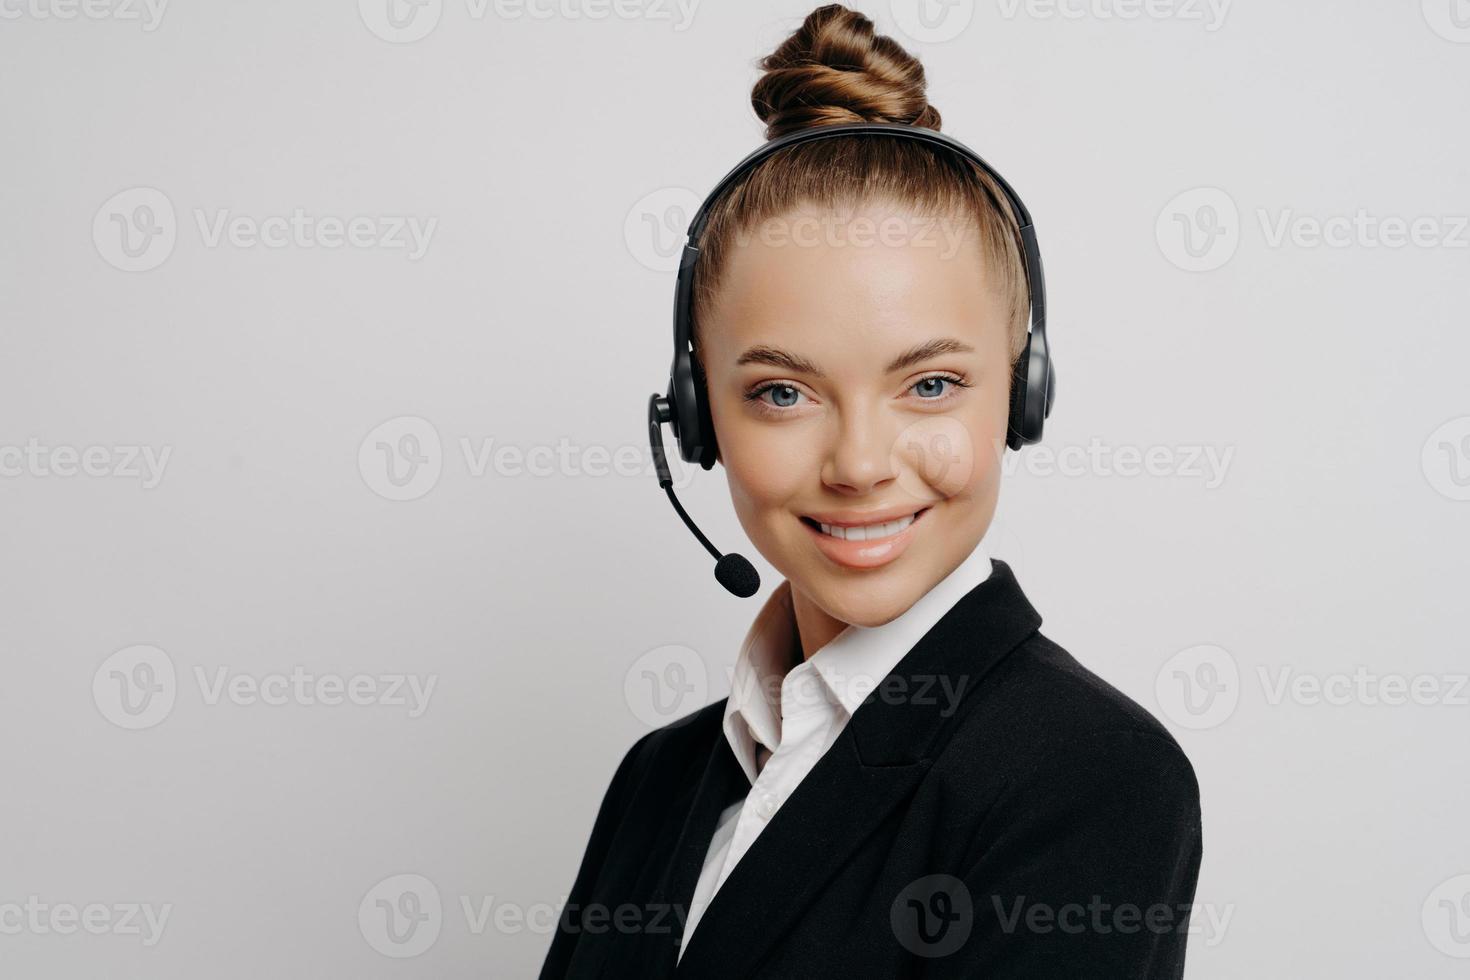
x,y
931,387
782,395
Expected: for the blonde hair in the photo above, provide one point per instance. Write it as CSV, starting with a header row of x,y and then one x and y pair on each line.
x,y
835,69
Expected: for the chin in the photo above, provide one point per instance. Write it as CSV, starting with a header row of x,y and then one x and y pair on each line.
x,y
866,599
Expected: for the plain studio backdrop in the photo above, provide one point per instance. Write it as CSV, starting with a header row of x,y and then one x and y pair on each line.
x,y
337,580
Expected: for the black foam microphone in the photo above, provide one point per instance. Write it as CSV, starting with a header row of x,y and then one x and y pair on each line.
x,y
732,570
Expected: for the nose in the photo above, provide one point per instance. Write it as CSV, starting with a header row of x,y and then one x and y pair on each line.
x,y
860,458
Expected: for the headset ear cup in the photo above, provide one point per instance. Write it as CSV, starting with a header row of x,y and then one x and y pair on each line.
x,y
1019,386
704,436
1041,376
1051,388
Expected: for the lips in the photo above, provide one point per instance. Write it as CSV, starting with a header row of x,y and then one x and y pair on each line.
x,y
854,542
865,532
873,515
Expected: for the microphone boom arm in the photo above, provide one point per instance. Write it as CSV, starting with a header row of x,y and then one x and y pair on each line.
x,y
658,414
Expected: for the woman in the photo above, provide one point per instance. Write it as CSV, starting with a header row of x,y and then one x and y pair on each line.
x,y
907,778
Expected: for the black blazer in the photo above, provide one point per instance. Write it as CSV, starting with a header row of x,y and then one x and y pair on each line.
x,y
1036,824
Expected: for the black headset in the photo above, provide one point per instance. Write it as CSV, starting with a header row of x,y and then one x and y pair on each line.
x,y
686,403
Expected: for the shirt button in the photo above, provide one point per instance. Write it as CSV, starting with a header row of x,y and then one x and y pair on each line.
x,y
766,805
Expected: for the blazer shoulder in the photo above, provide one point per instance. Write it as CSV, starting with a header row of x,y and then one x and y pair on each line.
x,y
687,737
695,725
1071,696
1055,715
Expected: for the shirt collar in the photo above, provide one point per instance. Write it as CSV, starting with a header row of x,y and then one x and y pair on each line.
x,y
849,666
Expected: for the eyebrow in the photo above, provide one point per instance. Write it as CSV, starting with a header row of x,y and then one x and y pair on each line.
x,y
776,357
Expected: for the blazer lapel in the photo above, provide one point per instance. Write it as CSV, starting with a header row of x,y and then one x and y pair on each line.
x,y
708,789
875,764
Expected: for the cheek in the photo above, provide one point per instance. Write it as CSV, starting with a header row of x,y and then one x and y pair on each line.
x,y
935,458
955,455
762,462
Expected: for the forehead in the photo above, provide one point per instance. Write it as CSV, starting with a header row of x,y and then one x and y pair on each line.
x,y
876,275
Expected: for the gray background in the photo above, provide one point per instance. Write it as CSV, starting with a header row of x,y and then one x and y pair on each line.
x,y
548,149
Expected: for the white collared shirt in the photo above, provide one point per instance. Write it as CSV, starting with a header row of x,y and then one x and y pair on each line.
x,y
784,712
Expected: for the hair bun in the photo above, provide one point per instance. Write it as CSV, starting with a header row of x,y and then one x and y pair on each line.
x,y
835,69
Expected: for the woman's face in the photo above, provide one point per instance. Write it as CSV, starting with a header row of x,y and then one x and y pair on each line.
x,y
859,376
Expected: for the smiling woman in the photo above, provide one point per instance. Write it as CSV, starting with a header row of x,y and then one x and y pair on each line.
x,y
830,371
859,375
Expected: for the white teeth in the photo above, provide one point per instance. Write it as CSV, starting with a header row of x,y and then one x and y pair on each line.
x,y
868,532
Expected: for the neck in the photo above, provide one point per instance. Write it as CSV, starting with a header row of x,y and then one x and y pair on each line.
x,y
815,628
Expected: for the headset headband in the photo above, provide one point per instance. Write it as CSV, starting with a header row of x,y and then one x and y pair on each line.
x,y
923,135
1032,392
1030,252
